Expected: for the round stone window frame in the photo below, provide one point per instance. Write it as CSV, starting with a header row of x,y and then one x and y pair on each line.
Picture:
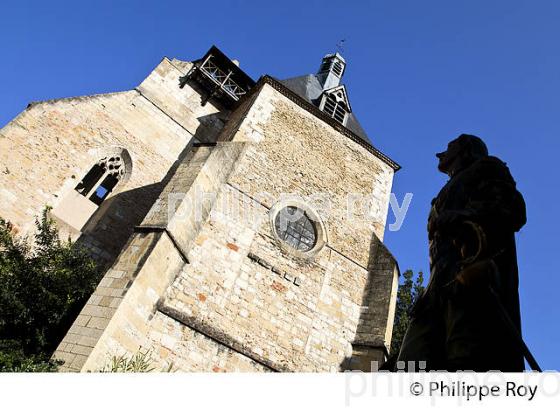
x,y
321,232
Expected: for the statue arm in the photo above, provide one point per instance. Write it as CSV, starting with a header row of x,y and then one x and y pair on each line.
x,y
495,201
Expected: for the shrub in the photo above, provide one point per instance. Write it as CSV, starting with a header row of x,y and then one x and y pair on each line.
x,y
43,285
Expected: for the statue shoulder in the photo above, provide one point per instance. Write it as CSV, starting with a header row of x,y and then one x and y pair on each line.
x,y
491,167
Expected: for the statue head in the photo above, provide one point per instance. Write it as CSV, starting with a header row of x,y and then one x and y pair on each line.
x,y
460,153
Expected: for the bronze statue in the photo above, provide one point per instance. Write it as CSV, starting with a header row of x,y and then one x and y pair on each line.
x,y
468,316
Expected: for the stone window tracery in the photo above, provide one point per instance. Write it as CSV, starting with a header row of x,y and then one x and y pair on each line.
x,y
102,178
294,227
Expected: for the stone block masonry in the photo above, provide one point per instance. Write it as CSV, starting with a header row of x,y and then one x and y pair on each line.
x,y
250,305
194,270
50,146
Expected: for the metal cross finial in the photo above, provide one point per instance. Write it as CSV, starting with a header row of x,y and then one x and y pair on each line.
x,y
339,46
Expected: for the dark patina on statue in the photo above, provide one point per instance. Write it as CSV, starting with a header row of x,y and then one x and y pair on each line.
x,y
468,317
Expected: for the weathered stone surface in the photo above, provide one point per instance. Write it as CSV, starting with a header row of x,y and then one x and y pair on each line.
x,y
202,282
50,146
297,154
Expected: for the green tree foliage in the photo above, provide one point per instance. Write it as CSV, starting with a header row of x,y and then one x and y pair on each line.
x,y
408,293
43,285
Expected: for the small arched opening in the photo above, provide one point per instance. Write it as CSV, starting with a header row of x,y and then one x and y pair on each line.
x,y
107,175
103,177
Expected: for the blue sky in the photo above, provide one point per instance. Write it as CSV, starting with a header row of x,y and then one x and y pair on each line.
x,y
419,74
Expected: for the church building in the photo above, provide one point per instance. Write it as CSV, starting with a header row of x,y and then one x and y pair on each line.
x,y
238,223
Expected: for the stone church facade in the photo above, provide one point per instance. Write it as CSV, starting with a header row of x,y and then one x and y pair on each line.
x,y
239,224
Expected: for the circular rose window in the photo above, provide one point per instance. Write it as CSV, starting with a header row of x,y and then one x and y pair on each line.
x,y
294,227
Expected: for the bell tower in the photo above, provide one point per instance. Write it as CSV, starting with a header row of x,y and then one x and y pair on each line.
x,y
331,70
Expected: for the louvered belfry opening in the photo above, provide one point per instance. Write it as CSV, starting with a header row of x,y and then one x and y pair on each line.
x,y
335,108
332,63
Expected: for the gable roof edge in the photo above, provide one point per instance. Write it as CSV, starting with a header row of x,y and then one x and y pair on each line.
x,y
284,90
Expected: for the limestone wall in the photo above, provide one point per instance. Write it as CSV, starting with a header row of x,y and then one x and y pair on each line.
x,y
133,288
184,105
290,313
49,147
94,318
241,301
297,153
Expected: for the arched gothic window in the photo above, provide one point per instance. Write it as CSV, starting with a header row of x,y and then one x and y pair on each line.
x,y
102,178
79,205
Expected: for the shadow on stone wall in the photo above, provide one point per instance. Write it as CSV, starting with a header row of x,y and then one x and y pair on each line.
x,y
369,350
108,230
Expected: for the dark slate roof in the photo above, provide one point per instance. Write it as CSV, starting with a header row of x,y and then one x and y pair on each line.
x,y
309,88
